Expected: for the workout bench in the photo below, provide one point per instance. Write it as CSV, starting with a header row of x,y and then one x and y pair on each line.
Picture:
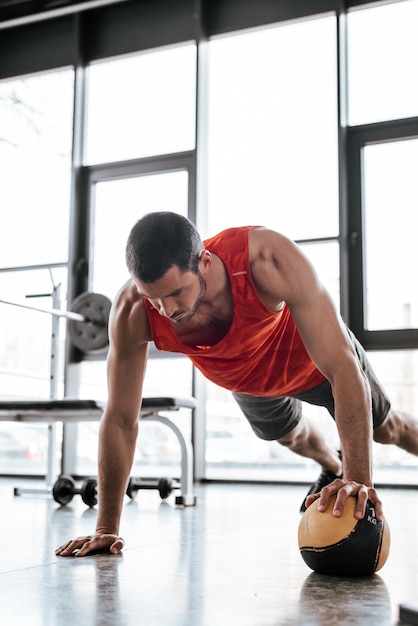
x,y
53,411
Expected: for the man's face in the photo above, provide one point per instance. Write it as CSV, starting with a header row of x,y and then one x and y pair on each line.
x,y
177,295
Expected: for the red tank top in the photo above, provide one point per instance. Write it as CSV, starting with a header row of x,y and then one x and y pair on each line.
x,y
262,354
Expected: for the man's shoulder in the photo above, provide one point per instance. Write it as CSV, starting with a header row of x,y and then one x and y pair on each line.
x,y
127,296
234,231
129,311
228,236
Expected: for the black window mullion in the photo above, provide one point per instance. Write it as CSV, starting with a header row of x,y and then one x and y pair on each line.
x,y
357,138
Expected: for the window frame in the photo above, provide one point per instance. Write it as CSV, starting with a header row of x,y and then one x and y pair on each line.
x,y
357,138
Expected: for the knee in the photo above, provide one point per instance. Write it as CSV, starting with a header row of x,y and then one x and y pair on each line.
x,y
292,438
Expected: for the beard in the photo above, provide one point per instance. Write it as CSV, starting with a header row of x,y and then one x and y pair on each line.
x,y
185,315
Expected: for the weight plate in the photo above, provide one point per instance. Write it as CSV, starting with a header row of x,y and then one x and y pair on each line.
x,y
88,492
131,491
90,335
63,490
165,487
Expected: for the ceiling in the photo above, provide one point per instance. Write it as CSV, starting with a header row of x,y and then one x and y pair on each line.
x,y
21,11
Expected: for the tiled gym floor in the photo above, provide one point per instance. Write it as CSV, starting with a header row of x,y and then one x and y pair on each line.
x,y
231,560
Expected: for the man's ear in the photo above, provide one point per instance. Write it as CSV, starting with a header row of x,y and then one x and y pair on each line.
x,y
205,260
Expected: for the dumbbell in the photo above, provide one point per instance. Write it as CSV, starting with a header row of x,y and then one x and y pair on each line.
x,y
165,486
65,489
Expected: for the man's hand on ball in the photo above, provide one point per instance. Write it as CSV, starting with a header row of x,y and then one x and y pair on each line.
x,y
344,489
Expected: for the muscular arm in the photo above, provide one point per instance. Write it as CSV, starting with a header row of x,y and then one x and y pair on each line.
x,y
282,273
128,350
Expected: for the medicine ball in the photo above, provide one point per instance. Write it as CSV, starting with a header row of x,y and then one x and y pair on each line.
x,y
343,546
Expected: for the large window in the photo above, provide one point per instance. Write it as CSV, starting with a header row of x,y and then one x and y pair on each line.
x,y
398,372
272,129
148,112
36,115
35,161
383,159
390,203
383,200
273,161
382,62
142,105
116,205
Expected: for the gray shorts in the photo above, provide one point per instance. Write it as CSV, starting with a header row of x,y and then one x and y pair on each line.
x,y
272,418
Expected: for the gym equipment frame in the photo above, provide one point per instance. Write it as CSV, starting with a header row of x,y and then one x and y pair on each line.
x,y
52,411
88,331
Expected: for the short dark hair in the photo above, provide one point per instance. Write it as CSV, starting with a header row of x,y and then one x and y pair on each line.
x,y
160,240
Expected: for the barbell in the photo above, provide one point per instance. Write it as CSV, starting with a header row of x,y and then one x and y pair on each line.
x,y
88,318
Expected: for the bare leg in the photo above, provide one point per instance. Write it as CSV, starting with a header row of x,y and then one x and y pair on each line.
x,y
307,441
399,429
